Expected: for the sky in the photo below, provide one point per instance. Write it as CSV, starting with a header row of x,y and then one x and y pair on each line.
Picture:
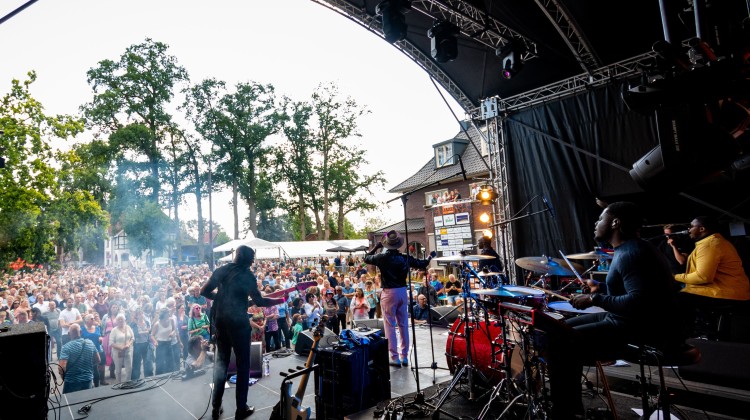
x,y
292,44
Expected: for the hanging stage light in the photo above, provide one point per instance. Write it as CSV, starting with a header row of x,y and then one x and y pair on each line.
x,y
486,195
487,233
484,217
443,42
394,21
511,57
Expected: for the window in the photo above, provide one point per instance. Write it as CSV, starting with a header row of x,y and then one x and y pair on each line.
x,y
444,155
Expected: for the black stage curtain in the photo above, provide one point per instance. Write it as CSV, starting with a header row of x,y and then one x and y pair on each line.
x,y
580,148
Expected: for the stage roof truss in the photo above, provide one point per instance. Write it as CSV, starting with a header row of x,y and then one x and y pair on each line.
x,y
569,30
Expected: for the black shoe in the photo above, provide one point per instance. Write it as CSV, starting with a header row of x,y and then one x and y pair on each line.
x,y
244,413
216,413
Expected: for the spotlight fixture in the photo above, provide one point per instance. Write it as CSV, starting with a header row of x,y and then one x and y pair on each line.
x,y
484,217
443,43
486,194
511,57
394,21
487,233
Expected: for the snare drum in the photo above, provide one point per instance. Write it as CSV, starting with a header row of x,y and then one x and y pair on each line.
x,y
567,310
485,342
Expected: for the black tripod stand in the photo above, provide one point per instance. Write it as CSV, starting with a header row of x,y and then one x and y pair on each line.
x,y
434,366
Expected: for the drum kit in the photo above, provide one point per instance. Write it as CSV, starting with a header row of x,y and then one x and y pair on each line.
x,y
494,346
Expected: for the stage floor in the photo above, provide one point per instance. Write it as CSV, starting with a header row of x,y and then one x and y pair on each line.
x,y
188,399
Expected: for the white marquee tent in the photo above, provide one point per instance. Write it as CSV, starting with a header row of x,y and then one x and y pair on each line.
x,y
296,249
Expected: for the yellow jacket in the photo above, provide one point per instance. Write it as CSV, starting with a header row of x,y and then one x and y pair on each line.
x,y
714,269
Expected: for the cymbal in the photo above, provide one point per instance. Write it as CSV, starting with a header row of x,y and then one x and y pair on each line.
x,y
500,291
551,266
454,258
593,255
491,273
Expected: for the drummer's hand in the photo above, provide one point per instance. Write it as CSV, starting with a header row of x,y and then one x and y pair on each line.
x,y
592,285
581,301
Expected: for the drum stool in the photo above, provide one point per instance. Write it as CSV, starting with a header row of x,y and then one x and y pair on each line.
x,y
649,356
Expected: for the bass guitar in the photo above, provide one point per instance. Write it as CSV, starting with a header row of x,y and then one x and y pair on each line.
x,y
292,403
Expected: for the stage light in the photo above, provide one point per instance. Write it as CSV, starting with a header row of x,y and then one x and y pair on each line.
x,y
486,194
484,217
487,233
511,57
443,43
394,21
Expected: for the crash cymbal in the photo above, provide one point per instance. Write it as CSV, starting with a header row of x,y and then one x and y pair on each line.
x,y
454,258
546,265
593,255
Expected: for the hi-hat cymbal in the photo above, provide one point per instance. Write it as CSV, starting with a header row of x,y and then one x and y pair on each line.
x,y
454,258
593,255
546,265
490,273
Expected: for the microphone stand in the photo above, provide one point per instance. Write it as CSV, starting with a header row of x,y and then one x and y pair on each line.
x,y
433,365
419,396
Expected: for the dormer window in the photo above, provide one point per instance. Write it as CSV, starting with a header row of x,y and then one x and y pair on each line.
x,y
446,151
444,155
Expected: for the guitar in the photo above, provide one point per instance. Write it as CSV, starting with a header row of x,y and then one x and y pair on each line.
x,y
293,402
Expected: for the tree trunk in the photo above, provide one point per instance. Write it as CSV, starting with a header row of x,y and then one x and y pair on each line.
x,y
253,213
340,221
235,203
318,226
155,179
301,209
199,205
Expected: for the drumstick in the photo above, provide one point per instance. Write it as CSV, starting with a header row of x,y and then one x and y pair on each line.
x,y
551,293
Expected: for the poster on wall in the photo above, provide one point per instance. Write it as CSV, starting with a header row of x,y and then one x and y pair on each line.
x,y
453,231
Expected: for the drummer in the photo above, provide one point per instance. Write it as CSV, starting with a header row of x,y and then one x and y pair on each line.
x,y
485,248
638,299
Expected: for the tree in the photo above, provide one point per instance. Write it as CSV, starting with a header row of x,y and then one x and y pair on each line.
x,y
350,190
336,122
148,228
293,163
28,183
130,102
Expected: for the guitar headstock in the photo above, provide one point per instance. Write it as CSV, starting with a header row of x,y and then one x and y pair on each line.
x,y
320,327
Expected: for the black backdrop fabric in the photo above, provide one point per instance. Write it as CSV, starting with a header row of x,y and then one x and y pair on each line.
x,y
580,148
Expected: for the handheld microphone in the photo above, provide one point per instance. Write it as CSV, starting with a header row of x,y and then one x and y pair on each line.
x,y
682,232
549,207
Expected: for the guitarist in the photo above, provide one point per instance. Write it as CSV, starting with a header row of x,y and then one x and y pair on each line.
x,y
235,282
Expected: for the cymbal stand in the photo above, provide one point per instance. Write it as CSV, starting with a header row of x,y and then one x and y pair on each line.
x,y
542,279
582,274
468,368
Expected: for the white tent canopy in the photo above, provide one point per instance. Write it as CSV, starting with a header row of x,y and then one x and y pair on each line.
x,y
297,249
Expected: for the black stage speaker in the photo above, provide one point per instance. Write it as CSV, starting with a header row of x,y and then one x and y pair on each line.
x,y
722,363
369,323
351,380
443,316
305,340
23,379
256,361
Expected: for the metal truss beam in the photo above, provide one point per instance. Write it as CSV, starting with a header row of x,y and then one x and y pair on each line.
x,y
571,33
567,87
360,16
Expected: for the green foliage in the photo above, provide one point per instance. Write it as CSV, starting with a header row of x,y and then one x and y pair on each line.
x,y
147,227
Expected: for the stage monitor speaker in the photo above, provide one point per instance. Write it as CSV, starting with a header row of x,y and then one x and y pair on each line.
x,y
256,361
351,380
23,382
369,323
722,363
443,316
305,340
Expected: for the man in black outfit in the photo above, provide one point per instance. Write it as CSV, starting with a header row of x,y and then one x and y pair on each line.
x,y
637,296
235,282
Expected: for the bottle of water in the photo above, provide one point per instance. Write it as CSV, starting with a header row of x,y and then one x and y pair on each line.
x,y
266,367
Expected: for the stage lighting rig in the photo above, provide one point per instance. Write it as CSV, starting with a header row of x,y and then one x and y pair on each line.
x,y
484,217
511,57
486,195
394,22
443,42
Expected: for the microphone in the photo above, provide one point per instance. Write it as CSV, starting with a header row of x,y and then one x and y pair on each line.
x,y
682,232
549,207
